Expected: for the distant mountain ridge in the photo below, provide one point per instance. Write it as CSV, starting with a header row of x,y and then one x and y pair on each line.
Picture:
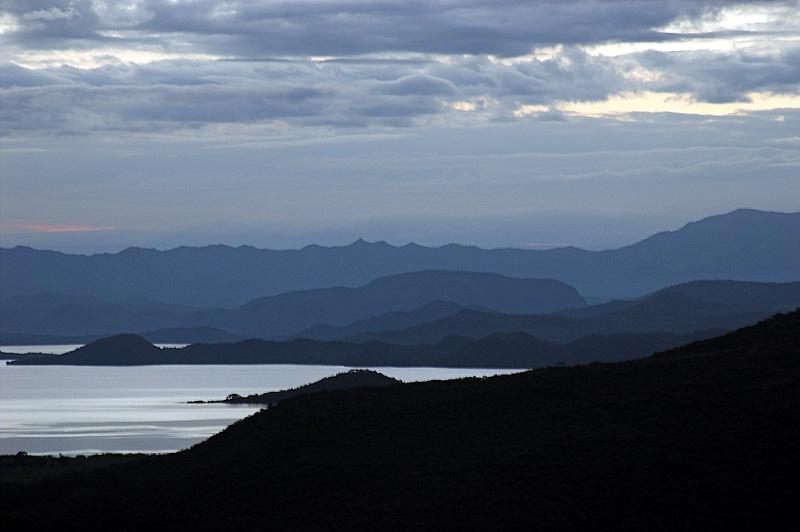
x,y
394,320
741,245
293,311
678,310
682,309
499,350
287,313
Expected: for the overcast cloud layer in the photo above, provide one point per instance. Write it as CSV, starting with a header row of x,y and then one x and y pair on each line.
x,y
286,122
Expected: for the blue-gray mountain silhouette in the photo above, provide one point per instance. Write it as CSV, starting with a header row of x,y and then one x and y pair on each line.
x,y
293,311
742,245
287,313
499,350
683,309
390,321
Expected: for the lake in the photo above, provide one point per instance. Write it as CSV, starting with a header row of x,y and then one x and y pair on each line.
x,y
91,409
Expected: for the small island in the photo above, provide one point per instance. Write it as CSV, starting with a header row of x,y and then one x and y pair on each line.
x,y
355,378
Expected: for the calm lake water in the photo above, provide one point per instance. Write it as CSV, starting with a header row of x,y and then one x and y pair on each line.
x,y
84,410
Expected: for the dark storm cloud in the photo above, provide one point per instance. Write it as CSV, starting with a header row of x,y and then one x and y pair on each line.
x,y
247,28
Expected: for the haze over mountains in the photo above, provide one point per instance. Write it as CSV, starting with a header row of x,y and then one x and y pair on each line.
x,y
467,337
741,245
413,317
682,309
290,312
699,307
294,311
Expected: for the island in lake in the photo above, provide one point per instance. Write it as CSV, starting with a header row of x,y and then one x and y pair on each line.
x,y
355,378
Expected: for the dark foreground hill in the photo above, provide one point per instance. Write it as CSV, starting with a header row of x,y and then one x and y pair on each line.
x,y
700,438
503,350
743,245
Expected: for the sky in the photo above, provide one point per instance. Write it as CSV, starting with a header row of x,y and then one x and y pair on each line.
x,y
534,124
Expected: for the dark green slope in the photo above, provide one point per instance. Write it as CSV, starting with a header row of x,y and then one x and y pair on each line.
x,y
700,438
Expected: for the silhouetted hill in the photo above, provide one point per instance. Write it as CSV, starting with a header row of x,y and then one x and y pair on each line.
x,y
766,296
293,311
502,350
123,349
506,350
383,322
741,245
178,335
620,347
284,314
355,378
703,438
190,335
480,323
720,305
738,296
777,335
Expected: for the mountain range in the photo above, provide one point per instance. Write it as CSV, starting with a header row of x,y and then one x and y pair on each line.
x,y
499,350
682,309
741,245
292,311
286,313
563,317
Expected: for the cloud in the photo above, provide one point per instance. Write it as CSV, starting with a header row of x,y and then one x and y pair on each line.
x,y
418,85
83,67
391,118
186,94
500,184
722,77
245,28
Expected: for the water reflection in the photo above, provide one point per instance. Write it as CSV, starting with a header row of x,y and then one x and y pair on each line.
x,y
82,410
